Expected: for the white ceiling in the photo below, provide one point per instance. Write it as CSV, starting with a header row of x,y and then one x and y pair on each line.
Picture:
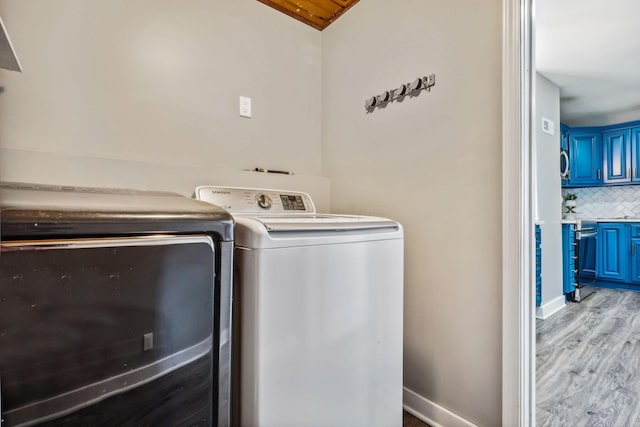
x,y
591,50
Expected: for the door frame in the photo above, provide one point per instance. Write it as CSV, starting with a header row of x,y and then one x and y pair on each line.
x,y
518,293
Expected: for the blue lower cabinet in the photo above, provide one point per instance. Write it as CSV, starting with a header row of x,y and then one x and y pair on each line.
x,y
539,266
617,247
635,260
568,261
613,252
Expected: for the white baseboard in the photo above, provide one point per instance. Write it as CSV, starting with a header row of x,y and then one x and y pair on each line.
x,y
546,310
432,413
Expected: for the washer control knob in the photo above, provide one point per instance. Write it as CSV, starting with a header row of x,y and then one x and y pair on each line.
x,y
264,201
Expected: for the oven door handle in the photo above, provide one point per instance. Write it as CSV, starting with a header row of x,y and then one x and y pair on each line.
x,y
588,231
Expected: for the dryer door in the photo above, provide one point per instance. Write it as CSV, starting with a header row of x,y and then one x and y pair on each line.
x,y
107,332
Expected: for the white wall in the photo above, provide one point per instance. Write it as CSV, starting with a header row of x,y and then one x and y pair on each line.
x,y
136,84
548,190
434,163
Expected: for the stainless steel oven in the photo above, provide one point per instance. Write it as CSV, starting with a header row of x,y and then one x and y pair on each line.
x,y
586,234
114,308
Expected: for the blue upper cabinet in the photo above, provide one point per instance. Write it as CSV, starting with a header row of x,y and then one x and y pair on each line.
x,y
585,159
604,155
635,154
617,156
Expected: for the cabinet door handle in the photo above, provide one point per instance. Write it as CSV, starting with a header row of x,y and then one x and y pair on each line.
x,y
598,174
628,171
633,249
635,172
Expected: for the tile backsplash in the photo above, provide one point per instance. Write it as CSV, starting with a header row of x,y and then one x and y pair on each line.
x,y
606,202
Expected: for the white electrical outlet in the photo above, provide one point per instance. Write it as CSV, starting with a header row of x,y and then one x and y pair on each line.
x,y
245,106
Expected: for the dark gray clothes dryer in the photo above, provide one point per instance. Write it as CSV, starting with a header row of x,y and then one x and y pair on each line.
x,y
115,308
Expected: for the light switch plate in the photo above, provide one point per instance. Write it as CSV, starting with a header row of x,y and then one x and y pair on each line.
x,y
245,106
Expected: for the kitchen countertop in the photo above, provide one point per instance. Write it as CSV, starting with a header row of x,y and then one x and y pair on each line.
x,y
568,221
574,221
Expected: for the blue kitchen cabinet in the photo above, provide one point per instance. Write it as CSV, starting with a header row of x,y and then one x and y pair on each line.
x,y
617,156
613,252
635,261
635,253
601,155
585,158
569,258
539,266
635,154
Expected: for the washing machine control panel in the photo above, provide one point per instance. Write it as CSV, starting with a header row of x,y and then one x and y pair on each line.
x,y
255,200
264,201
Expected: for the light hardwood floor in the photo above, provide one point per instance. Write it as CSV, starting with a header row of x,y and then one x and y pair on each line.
x,y
588,362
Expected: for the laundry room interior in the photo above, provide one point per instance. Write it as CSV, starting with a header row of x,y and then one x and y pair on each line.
x,y
145,95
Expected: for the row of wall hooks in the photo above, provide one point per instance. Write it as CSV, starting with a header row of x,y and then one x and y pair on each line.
x,y
408,89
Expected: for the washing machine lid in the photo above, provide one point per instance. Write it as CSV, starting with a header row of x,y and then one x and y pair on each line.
x,y
323,223
269,232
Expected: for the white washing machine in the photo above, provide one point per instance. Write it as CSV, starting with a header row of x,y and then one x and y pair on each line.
x,y
321,301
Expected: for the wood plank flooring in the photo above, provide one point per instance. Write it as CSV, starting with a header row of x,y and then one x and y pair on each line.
x,y
409,420
588,362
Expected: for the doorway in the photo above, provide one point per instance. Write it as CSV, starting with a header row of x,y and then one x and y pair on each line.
x,y
573,44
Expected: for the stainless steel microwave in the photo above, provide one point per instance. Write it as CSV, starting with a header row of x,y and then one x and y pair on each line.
x,y
564,164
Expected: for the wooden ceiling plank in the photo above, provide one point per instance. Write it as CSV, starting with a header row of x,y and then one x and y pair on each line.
x,y
328,5
300,11
343,3
312,8
312,12
287,8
